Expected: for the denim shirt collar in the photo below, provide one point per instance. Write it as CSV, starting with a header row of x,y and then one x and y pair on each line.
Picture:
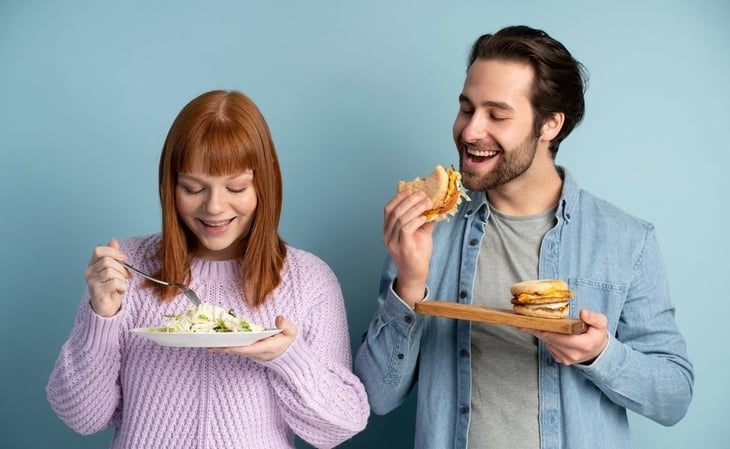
x,y
568,197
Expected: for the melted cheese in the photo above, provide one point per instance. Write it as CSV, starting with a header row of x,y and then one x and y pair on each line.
x,y
453,197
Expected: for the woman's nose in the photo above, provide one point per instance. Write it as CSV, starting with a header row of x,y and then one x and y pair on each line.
x,y
215,201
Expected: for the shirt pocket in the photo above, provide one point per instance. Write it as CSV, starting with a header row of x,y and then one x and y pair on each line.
x,y
598,296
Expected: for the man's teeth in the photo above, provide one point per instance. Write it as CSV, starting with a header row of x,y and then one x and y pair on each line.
x,y
481,153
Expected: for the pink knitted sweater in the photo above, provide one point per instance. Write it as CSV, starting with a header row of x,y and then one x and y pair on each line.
x,y
168,397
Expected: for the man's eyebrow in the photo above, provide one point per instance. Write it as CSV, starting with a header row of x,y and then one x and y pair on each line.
x,y
493,104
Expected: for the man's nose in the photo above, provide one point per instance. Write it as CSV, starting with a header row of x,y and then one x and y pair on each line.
x,y
475,129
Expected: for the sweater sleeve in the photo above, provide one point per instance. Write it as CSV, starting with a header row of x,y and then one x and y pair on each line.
x,y
319,396
83,388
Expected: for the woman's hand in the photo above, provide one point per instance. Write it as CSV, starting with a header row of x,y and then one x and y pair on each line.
x,y
107,279
409,240
583,348
268,348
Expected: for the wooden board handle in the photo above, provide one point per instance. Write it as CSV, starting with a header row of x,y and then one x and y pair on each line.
x,y
504,317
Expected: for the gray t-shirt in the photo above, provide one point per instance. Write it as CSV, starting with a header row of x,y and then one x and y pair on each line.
x,y
504,396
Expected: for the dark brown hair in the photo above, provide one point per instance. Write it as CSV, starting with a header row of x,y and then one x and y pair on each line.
x,y
560,80
224,133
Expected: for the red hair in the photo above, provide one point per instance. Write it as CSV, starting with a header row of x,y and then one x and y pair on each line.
x,y
223,132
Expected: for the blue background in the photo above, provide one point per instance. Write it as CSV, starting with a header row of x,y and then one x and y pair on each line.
x,y
357,95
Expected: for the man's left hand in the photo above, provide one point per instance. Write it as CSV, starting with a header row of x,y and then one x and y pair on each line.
x,y
582,348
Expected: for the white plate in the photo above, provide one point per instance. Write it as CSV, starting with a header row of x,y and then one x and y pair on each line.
x,y
204,340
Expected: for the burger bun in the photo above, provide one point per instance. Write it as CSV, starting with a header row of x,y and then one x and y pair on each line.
x,y
542,298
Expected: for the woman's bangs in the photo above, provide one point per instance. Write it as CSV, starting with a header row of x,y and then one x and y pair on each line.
x,y
220,153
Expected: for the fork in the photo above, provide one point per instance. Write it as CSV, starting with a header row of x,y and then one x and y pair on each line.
x,y
192,297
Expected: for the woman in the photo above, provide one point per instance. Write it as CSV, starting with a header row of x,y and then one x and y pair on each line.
x,y
221,194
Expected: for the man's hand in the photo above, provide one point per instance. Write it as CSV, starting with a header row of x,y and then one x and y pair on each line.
x,y
409,240
582,348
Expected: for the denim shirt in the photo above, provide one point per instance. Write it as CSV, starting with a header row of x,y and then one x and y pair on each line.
x,y
613,264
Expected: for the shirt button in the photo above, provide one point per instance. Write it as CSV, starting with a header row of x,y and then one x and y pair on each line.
x,y
552,418
400,356
473,242
408,319
463,294
464,409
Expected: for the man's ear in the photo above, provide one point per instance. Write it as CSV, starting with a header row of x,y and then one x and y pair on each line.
x,y
552,126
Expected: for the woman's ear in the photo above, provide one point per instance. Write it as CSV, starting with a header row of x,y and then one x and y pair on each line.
x,y
552,126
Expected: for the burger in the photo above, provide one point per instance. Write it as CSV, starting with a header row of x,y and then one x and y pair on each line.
x,y
543,298
443,188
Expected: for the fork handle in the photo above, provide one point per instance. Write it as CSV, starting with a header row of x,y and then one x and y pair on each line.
x,y
144,275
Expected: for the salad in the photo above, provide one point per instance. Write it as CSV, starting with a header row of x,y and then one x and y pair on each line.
x,y
207,318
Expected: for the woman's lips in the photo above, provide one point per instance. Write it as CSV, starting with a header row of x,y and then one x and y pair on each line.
x,y
216,226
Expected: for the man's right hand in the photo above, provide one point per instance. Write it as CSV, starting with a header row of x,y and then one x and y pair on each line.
x,y
409,239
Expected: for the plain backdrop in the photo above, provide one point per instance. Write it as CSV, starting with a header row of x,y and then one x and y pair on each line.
x,y
358,95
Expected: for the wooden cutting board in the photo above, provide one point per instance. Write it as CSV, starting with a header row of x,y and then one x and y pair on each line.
x,y
505,317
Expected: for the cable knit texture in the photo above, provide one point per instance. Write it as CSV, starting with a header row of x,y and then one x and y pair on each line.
x,y
168,397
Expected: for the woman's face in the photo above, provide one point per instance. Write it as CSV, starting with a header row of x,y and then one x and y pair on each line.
x,y
218,210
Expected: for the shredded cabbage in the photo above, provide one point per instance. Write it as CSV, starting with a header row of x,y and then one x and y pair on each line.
x,y
207,318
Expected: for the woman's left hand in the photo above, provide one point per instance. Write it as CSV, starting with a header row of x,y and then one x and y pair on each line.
x,y
268,348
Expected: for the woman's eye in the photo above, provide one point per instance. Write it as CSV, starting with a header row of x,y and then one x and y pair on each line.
x,y
232,190
191,190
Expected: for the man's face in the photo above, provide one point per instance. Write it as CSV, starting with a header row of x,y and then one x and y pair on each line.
x,y
493,130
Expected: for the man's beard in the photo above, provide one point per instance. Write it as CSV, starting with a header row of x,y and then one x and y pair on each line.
x,y
510,165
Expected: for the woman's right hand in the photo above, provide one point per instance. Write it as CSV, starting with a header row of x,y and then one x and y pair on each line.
x,y
107,279
409,239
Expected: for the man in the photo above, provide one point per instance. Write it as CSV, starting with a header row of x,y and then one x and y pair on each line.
x,y
489,386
